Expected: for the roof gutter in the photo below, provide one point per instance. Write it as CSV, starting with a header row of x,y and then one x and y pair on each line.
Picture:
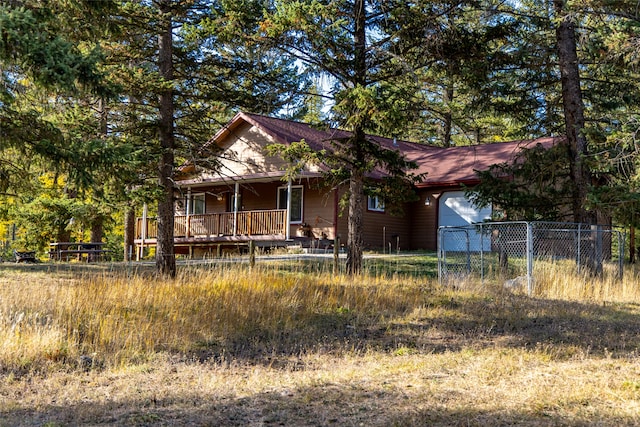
x,y
431,184
248,179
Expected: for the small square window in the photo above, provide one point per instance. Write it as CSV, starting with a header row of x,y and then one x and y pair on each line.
x,y
375,204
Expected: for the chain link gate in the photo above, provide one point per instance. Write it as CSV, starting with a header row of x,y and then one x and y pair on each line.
x,y
511,251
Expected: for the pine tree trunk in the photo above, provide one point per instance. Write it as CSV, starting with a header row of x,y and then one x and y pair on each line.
x,y
355,225
97,232
129,232
576,139
165,254
447,124
573,112
358,140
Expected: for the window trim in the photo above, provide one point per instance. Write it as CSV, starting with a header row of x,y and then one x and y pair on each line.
x,y
293,187
377,206
192,205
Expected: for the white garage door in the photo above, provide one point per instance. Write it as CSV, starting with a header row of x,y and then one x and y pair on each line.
x,y
456,210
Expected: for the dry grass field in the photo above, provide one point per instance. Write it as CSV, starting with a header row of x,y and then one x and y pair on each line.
x,y
221,345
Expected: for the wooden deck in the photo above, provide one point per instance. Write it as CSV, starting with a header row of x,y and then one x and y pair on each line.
x,y
219,227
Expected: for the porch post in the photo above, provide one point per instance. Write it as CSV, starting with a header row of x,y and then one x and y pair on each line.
x,y
186,213
236,207
287,220
143,232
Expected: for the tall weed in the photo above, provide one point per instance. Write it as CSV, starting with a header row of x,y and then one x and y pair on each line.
x,y
230,311
204,313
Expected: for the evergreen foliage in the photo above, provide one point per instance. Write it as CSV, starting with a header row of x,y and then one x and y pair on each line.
x,y
536,186
347,42
608,100
80,103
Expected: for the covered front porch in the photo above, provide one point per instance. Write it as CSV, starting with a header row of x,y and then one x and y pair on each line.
x,y
200,230
214,215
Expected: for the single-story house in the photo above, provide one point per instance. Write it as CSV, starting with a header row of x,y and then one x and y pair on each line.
x,y
247,199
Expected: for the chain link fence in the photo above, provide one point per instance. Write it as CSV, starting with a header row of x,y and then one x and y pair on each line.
x,y
512,252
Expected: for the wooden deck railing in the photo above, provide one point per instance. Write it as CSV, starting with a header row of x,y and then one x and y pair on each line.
x,y
220,224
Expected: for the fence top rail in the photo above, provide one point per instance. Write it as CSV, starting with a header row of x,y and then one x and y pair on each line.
x,y
557,226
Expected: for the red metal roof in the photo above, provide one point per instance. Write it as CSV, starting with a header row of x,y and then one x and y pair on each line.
x,y
457,165
288,131
443,166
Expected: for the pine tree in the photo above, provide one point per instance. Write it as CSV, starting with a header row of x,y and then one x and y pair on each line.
x,y
455,49
346,42
560,49
183,68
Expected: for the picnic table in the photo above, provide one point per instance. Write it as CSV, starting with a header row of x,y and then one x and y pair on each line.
x,y
25,256
63,251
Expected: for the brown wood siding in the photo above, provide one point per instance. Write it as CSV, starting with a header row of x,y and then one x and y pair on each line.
x,y
318,210
261,195
382,229
417,229
211,202
244,154
424,221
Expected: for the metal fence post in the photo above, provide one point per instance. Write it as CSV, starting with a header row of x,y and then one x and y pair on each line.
x,y
466,232
579,247
622,240
482,254
529,258
441,257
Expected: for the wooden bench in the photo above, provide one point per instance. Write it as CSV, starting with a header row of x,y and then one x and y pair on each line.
x,y
25,256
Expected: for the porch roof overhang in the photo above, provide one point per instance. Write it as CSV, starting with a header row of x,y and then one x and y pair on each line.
x,y
211,179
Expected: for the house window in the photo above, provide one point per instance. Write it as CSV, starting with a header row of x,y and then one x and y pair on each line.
x,y
195,203
232,202
374,203
295,215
